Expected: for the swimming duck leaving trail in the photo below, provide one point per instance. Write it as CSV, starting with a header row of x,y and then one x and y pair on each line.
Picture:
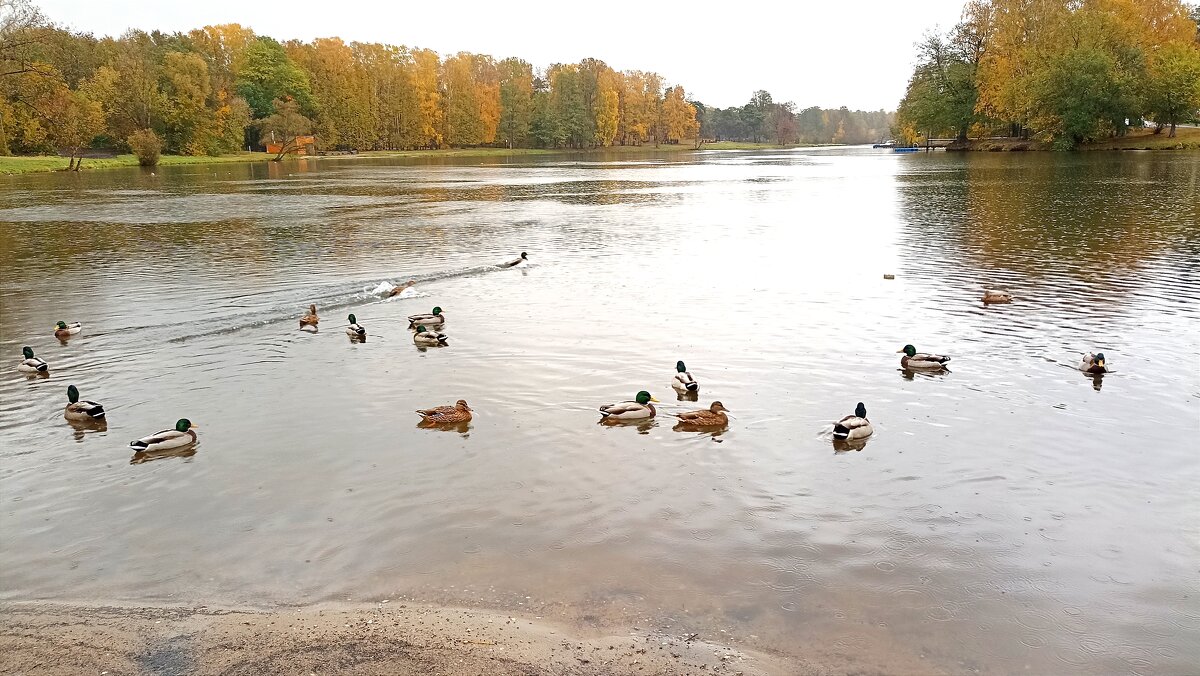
x,y
637,409
516,262
425,337
853,426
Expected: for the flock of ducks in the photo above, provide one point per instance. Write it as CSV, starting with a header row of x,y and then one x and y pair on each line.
x,y
426,333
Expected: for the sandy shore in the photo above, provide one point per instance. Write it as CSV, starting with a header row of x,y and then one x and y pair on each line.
x,y
383,638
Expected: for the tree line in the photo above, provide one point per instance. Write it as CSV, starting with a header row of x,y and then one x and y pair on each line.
x,y
218,89
1066,71
763,120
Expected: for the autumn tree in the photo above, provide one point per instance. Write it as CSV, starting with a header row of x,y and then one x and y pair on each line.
x,y
266,74
286,125
516,101
1173,88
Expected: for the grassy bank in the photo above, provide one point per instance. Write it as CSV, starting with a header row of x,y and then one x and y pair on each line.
x,y
39,163
1186,138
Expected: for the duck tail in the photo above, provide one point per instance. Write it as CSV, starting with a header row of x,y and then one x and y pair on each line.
x,y
693,386
138,445
840,431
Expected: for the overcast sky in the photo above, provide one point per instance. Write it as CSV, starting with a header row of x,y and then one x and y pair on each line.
x,y
827,53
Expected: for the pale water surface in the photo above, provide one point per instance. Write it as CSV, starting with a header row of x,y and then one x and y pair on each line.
x,y
1009,516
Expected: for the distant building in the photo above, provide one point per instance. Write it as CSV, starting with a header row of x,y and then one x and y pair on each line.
x,y
305,145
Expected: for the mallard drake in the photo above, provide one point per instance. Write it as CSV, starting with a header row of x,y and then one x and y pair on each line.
x,y
1093,363
424,336
397,290
65,330
711,417
32,364
444,415
310,320
920,360
183,434
354,330
990,296
853,426
637,409
435,319
515,262
683,381
81,410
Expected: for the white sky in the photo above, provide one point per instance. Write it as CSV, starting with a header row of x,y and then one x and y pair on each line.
x,y
828,53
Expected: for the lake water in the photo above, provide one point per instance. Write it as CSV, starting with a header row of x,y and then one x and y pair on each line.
x,y
1011,515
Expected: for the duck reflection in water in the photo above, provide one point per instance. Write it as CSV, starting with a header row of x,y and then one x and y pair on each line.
x,y
140,457
82,428
841,446
463,427
1097,380
911,374
643,426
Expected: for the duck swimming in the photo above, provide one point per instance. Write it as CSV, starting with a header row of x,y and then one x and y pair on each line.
x,y
683,381
637,409
1093,363
713,416
183,434
443,415
355,331
310,320
63,330
424,336
397,290
990,296
515,262
81,411
853,426
32,364
435,319
920,360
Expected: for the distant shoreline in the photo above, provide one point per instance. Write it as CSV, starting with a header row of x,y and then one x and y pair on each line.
x,y
29,164
1186,138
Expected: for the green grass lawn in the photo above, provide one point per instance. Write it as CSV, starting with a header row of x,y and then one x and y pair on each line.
x,y
38,163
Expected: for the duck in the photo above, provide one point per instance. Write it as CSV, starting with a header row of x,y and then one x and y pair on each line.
x,y
397,290
920,360
63,330
81,410
683,381
516,261
991,296
354,330
711,417
637,409
1093,363
443,415
853,426
435,319
424,336
183,434
310,320
32,364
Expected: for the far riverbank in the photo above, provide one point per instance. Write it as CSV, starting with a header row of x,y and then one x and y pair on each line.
x,y
1186,138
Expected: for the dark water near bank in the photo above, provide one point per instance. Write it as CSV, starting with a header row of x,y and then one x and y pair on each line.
x,y
1009,516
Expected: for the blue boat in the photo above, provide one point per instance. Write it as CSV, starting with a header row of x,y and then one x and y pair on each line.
x,y
905,150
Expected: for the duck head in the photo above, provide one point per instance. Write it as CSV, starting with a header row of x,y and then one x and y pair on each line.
x,y
1100,359
644,398
680,367
183,425
72,394
909,350
524,256
437,310
352,319
421,329
461,404
27,351
717,407
60,325
860,410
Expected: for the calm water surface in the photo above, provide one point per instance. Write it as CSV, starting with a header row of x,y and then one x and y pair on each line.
x,y
1012,515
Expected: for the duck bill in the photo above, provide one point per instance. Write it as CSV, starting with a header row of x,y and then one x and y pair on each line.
x,y
1100,363
655,400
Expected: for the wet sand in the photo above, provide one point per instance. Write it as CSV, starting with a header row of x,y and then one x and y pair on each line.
x,y
382,638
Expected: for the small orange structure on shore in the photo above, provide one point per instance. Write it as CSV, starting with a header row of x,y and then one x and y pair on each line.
x,y
304,145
